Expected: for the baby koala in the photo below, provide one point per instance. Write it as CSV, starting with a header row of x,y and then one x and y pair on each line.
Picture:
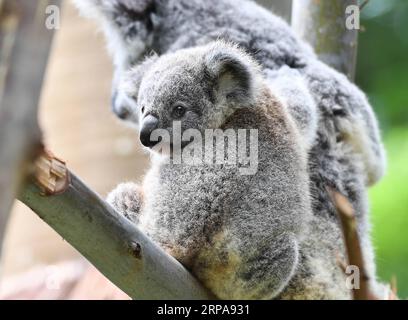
x,y
239,233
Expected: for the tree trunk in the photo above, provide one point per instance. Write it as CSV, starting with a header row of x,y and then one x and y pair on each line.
x,y
323,25
24,45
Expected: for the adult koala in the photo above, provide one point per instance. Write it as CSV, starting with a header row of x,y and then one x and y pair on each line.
x,y
346,153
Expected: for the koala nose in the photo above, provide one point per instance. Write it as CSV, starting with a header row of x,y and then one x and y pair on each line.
x,y
149,124
122,113
119,107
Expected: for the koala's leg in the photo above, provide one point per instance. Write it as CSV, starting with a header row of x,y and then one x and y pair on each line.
x,y
252,269
266,272
126,199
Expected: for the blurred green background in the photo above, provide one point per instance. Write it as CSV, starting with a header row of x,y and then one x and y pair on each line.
x,y
382,72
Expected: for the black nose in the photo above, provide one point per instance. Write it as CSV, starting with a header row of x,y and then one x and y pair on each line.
x,y
149,124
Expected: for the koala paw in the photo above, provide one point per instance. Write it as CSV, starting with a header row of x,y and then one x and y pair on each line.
x,y
126,199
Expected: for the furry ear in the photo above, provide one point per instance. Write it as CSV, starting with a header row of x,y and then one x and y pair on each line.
x,y
233,73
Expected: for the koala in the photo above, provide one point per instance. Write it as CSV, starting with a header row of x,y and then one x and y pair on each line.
x,y
332,115
240,235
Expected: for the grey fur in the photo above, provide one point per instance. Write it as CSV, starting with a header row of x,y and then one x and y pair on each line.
x,y
345,150
239,235
137,27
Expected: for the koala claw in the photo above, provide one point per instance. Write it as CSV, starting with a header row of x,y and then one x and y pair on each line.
x,y
126,200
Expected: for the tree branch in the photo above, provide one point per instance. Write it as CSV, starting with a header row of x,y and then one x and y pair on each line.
x,y
352,243
24,48
109,241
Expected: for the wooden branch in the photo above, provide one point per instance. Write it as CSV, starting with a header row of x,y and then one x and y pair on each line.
x,y
109,241
322,24
354,252
24,46
352,244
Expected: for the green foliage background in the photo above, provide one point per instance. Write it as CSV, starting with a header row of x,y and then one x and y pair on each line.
x,y
382,72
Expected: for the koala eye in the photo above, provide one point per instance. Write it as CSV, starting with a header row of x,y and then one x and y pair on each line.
x,y
178,111
143,109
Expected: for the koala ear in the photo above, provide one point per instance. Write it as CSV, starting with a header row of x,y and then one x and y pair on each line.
x,y
130,84
233,73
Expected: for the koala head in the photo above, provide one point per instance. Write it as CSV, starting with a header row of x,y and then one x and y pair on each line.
x,y
199,88
129,27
